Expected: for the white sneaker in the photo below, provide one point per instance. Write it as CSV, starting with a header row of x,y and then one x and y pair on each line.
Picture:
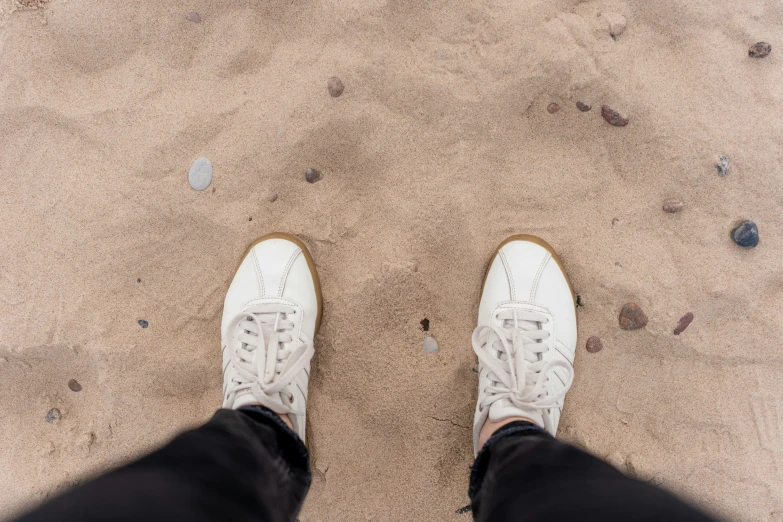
x,y
526,336
271,314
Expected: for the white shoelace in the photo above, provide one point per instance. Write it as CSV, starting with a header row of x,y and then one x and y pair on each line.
x,y
264,366
518,372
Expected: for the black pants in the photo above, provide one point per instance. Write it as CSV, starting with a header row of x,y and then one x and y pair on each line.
x,y
247,465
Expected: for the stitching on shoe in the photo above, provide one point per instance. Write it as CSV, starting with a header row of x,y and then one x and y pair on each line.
x,y
508,274
260,277
284,275
534,287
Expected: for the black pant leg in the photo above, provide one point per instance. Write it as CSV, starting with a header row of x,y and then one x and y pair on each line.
x,y
523,473
243,465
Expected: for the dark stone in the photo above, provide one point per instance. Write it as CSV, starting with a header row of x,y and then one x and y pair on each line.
x,y
335,86
746,234
632,317
552,108
613,117
313,175
74,385
53,415
425,324
594,345
138,280
143,323
759,50
672,206
583,106
685,320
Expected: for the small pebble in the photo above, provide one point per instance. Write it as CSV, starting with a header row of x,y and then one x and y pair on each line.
x,y
759,50
430,345
672,206
552,108
723,165
194,17
335,86
685,320
143,323
200,175
74,385
138,280
273,198
583,106
250,218
746,234
313,175
594,345
53,415
632,317
463,510
613,117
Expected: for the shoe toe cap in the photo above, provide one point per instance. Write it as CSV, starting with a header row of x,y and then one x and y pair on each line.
x,y
274,269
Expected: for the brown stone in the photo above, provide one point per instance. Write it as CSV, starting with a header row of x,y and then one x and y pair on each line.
x,y
672,206
613,117
335,86
74,385
632,317
552,108
583,106
194,17
685,320
594,344
759,50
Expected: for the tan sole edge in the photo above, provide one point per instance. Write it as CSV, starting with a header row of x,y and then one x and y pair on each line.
x,y
538,241
310,264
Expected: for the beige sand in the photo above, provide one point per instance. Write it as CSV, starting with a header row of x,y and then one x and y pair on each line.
x,y
439,148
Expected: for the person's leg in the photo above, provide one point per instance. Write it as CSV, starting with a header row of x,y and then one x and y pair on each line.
x,y
242,465
525,342
523,473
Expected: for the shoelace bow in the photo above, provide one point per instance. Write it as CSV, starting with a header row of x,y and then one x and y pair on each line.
x,y
520,376
264,366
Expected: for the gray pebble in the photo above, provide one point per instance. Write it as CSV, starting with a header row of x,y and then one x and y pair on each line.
x,y
313,175
53,415
723,165
430,345
74,385
746,234
194,17
200,175
143,323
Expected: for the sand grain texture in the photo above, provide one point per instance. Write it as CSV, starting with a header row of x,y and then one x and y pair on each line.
x,y
439,149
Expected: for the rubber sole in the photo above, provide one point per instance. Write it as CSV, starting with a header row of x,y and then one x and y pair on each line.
x,y
310,263
538,241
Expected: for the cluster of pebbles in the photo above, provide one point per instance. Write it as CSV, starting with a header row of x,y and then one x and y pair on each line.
x,y
745,233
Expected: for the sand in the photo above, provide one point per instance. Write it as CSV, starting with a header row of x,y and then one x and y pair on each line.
x,y
440,146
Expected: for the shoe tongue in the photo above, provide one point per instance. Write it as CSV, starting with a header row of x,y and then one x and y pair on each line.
x,y
503,409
